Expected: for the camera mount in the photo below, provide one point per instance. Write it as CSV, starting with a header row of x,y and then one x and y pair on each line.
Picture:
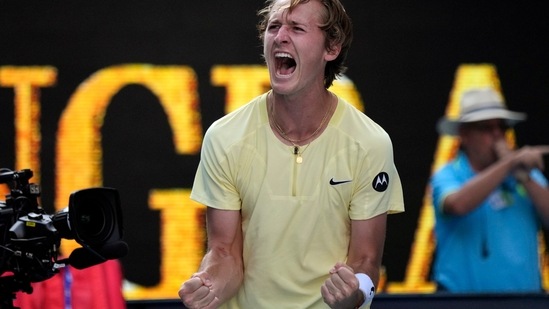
x,y
30,238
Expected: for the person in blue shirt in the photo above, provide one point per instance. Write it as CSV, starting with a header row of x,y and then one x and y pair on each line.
x,y
490,202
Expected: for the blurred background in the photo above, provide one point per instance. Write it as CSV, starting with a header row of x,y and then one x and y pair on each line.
x,y
402,65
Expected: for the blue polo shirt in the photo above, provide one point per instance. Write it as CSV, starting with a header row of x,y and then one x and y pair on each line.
x,y
494,248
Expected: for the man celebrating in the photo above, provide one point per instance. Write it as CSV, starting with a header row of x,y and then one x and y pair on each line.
x,y
298,183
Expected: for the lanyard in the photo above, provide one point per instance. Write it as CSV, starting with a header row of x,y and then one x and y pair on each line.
x,y
67,280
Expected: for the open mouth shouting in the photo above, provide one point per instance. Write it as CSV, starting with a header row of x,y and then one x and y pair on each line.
x,y
285,64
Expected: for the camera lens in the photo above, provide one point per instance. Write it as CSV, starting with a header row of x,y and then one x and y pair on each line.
x,y
94,220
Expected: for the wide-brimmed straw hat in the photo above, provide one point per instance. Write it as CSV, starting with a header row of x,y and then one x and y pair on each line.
x,y
476,105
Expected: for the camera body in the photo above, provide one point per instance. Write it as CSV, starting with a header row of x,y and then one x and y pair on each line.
x,y
30,238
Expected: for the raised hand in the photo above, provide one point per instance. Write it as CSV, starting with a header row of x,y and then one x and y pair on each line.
x,y
197,292
341,289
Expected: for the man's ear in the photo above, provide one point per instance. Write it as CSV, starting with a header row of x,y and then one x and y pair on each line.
x,y
333,52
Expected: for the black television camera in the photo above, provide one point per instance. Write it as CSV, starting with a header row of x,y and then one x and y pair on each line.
x,y
30,238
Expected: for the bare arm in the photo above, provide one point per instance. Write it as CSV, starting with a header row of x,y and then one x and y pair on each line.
x,y
540,197
476,190
221,271
366,247
471,195
529,158
365,254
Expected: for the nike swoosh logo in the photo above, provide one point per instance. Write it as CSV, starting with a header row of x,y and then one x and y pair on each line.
x,y
333,182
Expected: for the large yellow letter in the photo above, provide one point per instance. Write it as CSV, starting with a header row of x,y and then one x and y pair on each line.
x,y
416,278
26,81
78,138
182,243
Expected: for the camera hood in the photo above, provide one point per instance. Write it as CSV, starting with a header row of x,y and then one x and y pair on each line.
x,y
95,216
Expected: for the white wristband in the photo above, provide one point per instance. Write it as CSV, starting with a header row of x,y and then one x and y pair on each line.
x,y
366,285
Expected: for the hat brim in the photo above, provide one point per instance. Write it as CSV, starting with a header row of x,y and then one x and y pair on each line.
x,y
451,126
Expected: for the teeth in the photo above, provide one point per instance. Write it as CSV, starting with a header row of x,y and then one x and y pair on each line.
x,y
283,55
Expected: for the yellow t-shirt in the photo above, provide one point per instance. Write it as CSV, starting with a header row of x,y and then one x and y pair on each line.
x,y
295,217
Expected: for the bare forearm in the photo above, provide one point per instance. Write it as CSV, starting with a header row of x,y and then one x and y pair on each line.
x,y
540,198
369,267
221,271
366,247
225,272
471,195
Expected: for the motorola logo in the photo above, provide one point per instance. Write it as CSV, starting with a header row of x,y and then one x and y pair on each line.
x,y
381,182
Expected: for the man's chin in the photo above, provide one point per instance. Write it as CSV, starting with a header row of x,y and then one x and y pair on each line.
x,y
283,87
